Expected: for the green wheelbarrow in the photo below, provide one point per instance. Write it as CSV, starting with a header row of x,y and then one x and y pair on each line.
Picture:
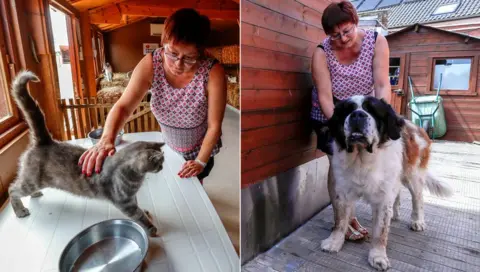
x,y
428,112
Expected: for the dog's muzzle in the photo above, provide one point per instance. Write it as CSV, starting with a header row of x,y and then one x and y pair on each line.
x,y
359,124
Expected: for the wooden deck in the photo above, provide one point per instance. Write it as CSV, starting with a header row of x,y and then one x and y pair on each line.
x,y
450,243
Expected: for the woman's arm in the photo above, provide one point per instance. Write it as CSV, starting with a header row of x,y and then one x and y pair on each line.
x,y
217,100
381,62
322,81
136,89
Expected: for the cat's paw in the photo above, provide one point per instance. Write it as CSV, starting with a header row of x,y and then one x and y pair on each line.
x,y
24,212
148,214
153,231
37,194
418,225
332,244
378,259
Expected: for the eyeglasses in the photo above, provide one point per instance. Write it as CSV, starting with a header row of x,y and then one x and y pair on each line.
x,y
173,57
345,33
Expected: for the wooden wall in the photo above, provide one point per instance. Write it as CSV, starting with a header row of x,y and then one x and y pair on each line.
x,y
462,111
124,46
278,40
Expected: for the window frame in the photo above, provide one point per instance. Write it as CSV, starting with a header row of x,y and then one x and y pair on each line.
x,y
13,125
472,84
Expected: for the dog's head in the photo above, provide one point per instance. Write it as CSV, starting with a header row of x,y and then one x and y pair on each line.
x,y
364,122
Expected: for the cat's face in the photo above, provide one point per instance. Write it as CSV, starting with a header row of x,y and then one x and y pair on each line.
x,y
145,156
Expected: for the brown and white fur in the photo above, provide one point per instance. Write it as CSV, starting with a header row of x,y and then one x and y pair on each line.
x,y
375,151
54,164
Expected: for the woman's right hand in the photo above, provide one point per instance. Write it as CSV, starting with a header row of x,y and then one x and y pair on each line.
x,y
94,156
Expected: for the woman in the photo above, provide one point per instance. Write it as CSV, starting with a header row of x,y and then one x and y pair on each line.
x,y
188,97
350,61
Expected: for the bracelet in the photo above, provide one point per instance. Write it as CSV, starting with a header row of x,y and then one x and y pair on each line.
x,y
201,163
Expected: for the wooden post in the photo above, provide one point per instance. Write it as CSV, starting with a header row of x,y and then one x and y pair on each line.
x,y
66,118
88,59
35,26
74,119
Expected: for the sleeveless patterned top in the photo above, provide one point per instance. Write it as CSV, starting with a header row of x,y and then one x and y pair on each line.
x,y
182,112
348,80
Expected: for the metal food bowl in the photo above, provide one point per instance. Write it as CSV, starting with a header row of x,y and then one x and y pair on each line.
x,y
113,245
96,134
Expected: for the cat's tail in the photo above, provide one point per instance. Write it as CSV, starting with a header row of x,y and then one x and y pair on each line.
x,y
30,109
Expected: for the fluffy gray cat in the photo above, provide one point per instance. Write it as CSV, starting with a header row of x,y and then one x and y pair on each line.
x,y
54,164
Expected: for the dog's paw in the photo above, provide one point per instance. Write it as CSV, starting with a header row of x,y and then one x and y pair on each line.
x,y
418,225
24,212
332,244
396,215
378,259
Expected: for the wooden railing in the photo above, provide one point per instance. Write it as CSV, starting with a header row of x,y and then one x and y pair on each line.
x,y
80,116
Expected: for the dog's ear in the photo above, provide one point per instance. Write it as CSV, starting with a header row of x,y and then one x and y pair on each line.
x,y
394,122
336,123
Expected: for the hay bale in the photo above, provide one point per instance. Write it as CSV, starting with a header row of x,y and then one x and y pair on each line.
x,y
214,52
119,79
231,54
233,95
110,93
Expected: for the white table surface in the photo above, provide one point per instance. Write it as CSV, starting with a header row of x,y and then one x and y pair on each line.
x,y
192,237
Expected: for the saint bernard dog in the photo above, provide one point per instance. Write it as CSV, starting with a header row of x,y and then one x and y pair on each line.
x,y
375,151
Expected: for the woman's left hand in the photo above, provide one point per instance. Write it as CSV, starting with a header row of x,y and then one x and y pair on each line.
x,y
190,169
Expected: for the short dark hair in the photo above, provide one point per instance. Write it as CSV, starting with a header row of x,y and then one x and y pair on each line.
x,y
188,26
338,13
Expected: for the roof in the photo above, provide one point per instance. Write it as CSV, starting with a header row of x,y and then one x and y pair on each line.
x,y
408,12
406,29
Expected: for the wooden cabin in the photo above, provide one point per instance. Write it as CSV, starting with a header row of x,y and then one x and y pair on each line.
x,y
422,52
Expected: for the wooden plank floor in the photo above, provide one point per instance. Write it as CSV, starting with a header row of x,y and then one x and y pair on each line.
x,y
450,243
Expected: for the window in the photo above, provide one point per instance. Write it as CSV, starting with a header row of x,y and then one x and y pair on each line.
x,y
10,123
388,3
459,74
65,54
368,5
5,110
394,71
456,73
8,112
448,8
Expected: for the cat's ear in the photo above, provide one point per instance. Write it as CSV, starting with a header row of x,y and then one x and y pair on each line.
x,y
158,146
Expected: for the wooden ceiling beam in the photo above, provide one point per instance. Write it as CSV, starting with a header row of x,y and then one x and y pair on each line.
x,y
129,21
113,14
197,4
107,15
155,11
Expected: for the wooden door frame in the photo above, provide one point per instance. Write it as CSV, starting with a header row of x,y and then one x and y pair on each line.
x,y
71,22
403,82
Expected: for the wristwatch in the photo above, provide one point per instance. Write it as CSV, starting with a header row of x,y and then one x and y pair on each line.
x,y
201,163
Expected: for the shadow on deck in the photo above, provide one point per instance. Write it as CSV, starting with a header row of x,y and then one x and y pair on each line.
x,y
451,241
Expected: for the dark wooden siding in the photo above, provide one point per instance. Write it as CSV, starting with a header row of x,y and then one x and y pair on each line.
x,y
278,40
462,112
